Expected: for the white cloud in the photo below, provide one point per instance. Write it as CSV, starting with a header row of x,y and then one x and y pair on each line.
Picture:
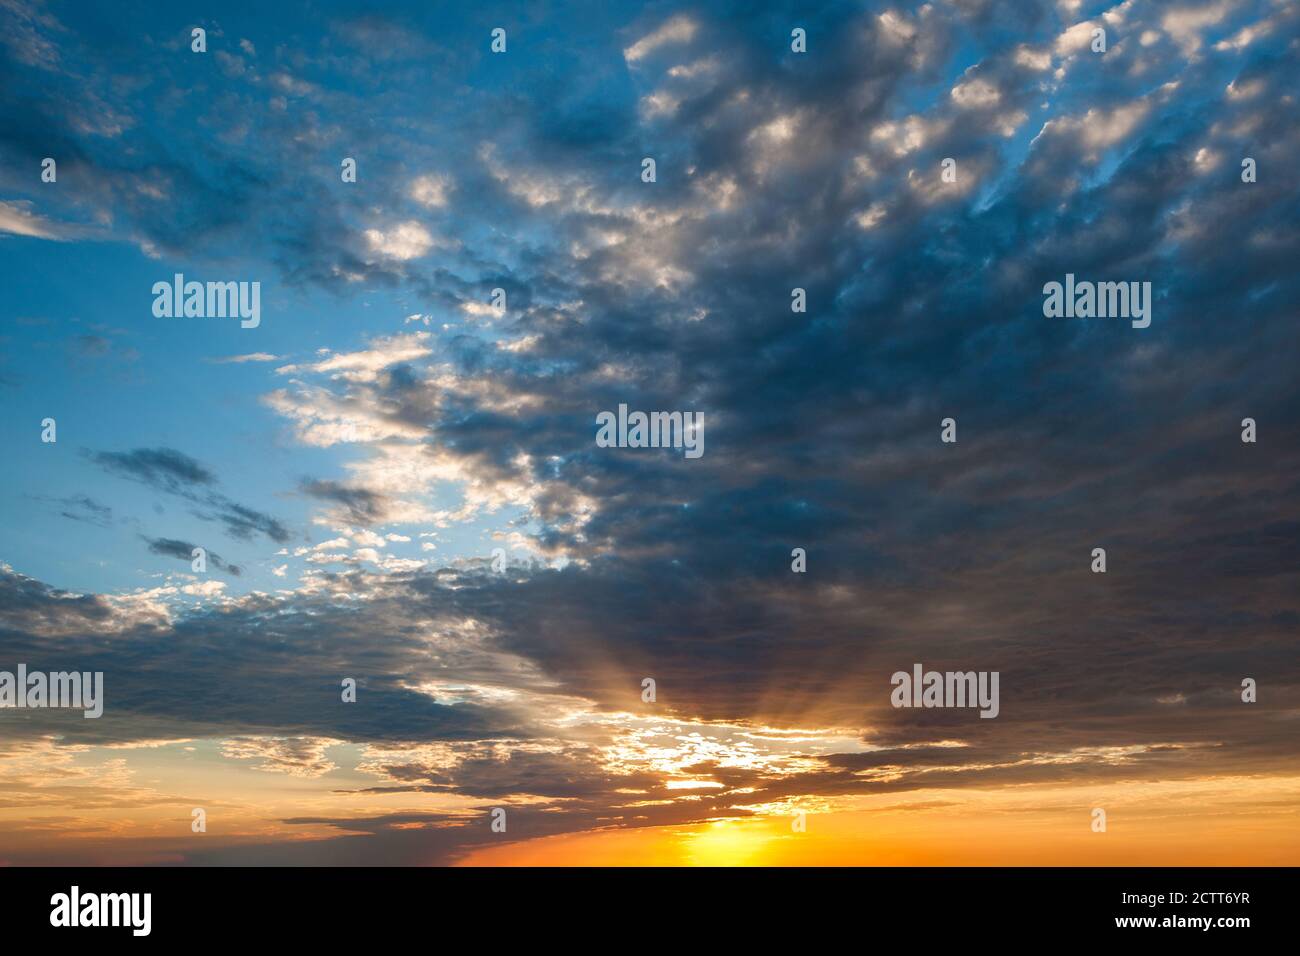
x,y
1184,24
1245,36
1098,130
368,538
905,136
975,94
403,241
1075,39
478,309
871,217
1245,91
895,28
678,29
18,219
250,357
1033,59
364,365
1206,159
430,190
204,588
659,103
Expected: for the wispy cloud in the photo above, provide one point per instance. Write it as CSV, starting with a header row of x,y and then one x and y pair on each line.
x,y
175,473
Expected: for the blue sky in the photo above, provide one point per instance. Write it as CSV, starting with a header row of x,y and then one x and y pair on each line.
x,y
352,462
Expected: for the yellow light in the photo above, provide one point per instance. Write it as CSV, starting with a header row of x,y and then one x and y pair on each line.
x,y
692,785
725,843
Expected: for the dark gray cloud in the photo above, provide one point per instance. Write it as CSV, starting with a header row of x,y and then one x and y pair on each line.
x,y
176,473
242,522
184,551
81,508
361,505
163,468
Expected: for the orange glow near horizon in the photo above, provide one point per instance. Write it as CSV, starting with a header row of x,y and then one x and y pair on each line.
x,y
1221,822
129,806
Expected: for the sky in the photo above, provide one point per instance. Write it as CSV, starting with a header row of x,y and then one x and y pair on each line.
x,y
395,475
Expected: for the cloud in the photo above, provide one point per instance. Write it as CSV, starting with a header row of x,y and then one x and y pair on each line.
x,y
677,29
18,219
296,757
775,171
403,241
521,702
430,190
185,551
365,365
249,357
360,505
31,35
175,473
82,508
163,468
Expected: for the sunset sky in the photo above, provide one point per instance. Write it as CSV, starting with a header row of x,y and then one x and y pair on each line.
x,y
350,464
